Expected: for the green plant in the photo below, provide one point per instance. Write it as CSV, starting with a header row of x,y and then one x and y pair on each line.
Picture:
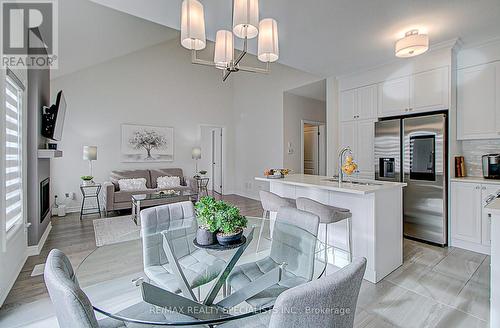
x,y
219,216
229,220
86,177
206,209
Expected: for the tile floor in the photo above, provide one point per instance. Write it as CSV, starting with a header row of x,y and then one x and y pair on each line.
x,y
435,287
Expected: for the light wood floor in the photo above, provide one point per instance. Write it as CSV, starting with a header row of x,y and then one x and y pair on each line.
x,y
76,239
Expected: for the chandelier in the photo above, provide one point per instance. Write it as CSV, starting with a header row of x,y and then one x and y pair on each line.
x,y
246,26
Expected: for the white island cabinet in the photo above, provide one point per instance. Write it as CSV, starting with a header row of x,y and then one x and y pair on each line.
x,y
494,210
377,216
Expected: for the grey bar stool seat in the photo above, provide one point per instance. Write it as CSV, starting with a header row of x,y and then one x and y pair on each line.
x,y
271,203
327,215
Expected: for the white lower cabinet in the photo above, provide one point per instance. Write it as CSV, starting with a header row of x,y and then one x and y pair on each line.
x,y
470,223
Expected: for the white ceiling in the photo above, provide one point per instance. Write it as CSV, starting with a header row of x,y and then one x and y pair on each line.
x,y
315,90
331,37
90,34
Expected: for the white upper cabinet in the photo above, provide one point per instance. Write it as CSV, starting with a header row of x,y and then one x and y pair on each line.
x,y
478,105
421,92
348,105
394,97
348,135
430,90
360,103
367,102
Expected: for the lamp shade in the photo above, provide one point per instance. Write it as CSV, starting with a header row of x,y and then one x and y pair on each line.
x,y
223,54
246,18
193,25
413,44
90,153
268,50
196,153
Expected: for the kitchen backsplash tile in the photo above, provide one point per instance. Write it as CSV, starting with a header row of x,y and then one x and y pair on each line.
x,y
474,149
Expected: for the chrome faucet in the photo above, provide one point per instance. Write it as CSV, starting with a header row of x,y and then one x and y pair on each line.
x,y
342,152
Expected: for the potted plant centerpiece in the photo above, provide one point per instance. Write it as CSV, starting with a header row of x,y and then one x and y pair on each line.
x,y
230,224
87,180
206,209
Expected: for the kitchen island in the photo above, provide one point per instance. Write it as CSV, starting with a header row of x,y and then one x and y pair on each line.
x,y
377,216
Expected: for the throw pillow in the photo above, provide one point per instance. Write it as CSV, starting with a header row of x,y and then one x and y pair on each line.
x,y
132,184
168,182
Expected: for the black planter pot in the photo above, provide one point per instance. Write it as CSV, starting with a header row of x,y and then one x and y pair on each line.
x,y
205,237
229,239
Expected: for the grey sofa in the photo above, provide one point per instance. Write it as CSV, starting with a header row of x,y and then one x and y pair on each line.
x,y
116,199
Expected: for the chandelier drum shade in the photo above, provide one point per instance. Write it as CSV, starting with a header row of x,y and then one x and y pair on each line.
x,y
246,26
413,44
193,25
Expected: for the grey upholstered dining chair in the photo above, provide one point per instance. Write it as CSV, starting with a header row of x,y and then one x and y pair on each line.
x,y
327,215
178,220
271,203
74,309
327,302
294,243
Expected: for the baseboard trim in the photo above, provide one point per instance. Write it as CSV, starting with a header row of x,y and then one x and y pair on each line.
x,y
36,249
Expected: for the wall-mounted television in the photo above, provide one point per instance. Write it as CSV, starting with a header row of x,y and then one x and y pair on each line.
x,y
53,118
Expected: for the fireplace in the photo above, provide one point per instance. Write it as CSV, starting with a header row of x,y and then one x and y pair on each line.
x,y
44,198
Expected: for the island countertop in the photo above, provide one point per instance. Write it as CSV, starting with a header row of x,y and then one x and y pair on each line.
x,y
360,186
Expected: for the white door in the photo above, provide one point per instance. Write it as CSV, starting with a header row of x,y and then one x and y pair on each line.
x,y
466,212
487,190
429,90
367,102
217,160
311,150
365,148
348,105
476,106
394,96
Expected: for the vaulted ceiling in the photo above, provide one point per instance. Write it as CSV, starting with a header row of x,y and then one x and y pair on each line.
x,y
330,37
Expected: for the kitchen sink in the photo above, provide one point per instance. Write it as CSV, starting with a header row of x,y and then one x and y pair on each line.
x,y
359,183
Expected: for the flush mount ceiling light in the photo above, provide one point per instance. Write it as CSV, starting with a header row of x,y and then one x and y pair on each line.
x,y
413,44
246,26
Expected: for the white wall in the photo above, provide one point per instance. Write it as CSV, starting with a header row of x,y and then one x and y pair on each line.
x,y
295,109
159,86
258,123
154,86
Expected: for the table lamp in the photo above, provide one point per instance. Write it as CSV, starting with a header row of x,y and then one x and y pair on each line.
x,y
90,154
196,155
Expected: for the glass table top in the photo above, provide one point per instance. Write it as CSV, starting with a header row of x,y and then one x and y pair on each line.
x,y
113,278
163,194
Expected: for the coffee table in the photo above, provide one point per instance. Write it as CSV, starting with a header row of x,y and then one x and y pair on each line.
x,y
155,199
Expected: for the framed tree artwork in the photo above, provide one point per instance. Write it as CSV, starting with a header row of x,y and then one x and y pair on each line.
x,y
143,143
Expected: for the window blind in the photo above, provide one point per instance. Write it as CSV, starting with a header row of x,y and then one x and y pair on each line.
x,y
13,153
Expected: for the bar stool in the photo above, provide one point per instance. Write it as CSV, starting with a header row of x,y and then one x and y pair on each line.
x,y
328,214
271,203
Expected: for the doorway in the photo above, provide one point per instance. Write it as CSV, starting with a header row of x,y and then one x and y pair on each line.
x,y
211,144
313,147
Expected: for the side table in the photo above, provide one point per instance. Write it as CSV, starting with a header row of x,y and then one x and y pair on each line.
x,y
202,184
89,192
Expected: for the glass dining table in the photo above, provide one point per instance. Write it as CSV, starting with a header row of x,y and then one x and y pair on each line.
x,y
113,278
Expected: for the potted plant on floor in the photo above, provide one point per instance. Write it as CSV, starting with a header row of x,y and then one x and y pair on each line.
x,y
230,224
206,209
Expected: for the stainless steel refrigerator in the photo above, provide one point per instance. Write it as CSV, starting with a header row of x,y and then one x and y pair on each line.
x,y
414,150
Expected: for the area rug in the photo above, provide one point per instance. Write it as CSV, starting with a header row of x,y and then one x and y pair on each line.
x,y
114,230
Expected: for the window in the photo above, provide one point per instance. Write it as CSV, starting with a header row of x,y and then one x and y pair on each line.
x,y
13,152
